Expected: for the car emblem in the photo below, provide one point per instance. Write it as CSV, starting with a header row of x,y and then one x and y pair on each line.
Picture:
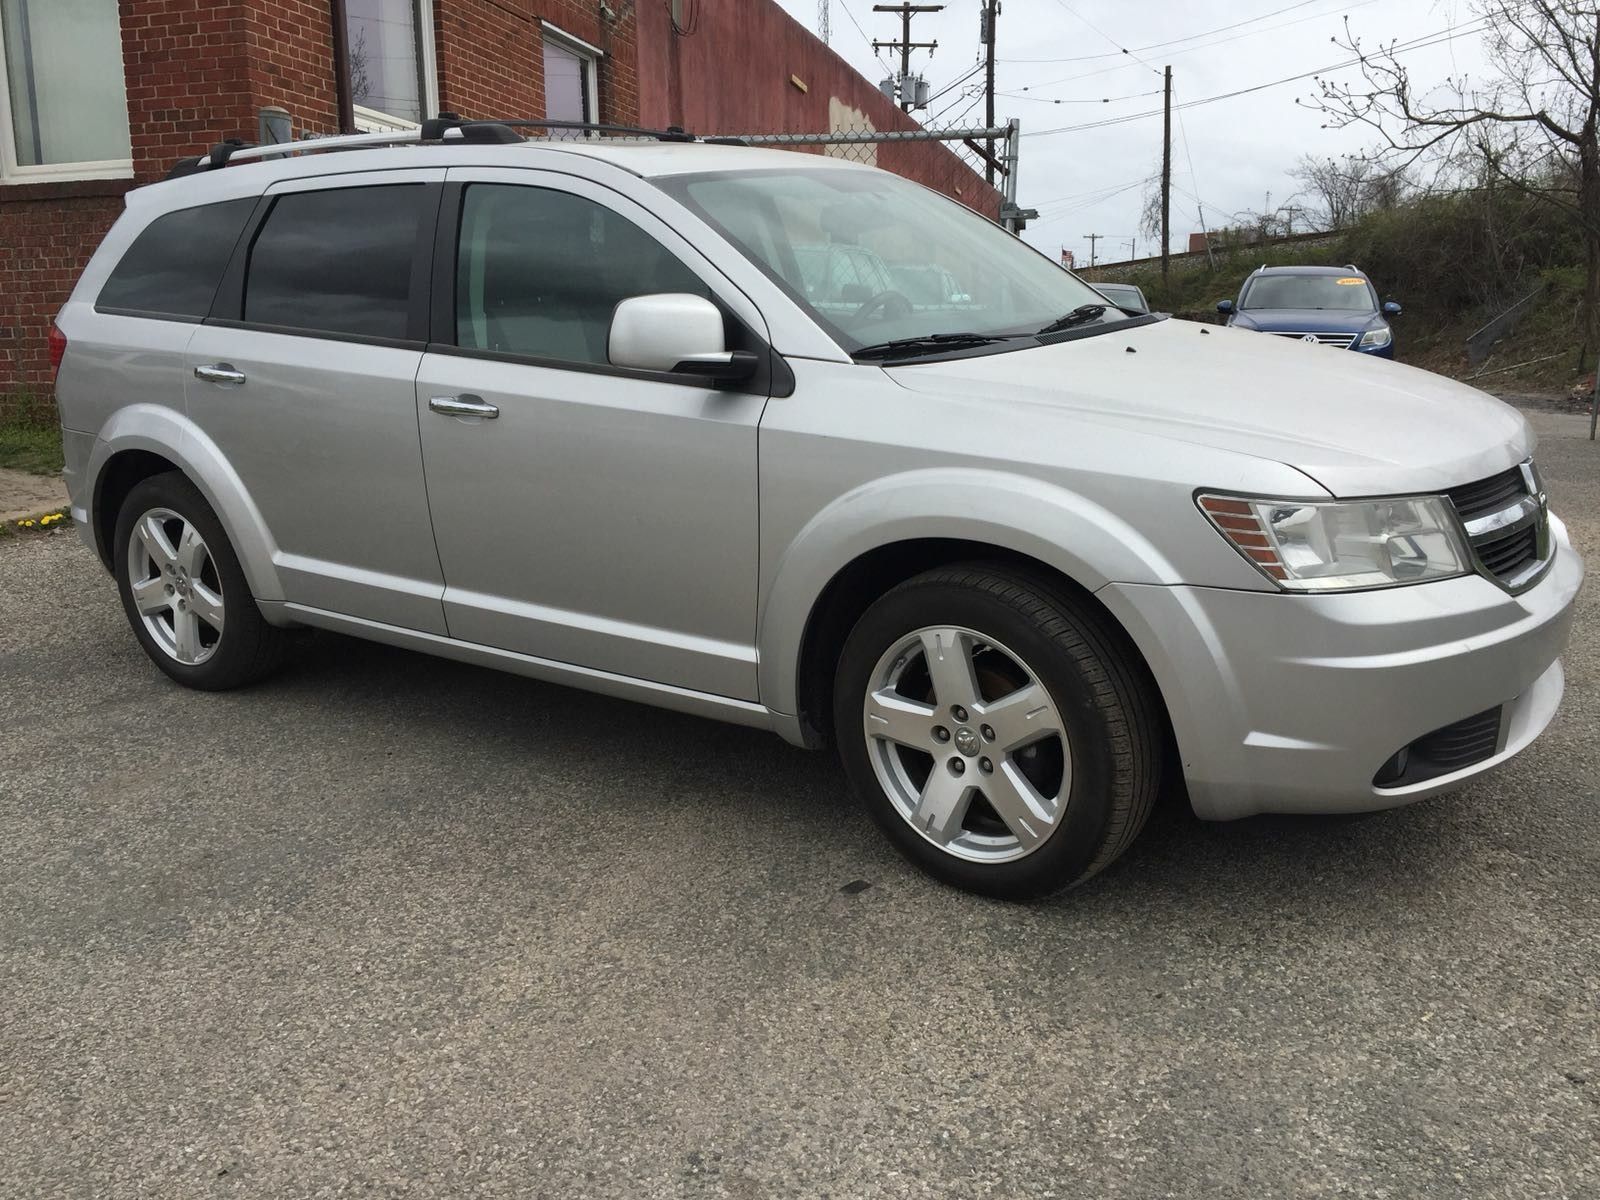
x,y
1309,337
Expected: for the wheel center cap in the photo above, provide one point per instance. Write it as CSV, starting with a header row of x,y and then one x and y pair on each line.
x,y
966,741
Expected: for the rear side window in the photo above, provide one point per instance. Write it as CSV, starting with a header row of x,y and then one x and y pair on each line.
x,y
337,261
173,267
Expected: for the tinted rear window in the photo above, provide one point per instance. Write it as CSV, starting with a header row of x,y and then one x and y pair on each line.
x,y
173,267
336,261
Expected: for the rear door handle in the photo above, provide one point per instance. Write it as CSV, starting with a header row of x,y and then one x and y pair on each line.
x,y
220,373
463,406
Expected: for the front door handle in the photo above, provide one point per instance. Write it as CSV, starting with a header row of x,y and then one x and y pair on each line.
x,y
463,406
220,373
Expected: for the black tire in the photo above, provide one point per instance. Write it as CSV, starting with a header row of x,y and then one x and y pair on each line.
x,y
1102,693
248,648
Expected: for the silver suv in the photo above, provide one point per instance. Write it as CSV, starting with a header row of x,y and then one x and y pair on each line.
x,y
568,409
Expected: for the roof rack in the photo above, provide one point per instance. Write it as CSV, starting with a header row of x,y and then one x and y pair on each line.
x,y
446,127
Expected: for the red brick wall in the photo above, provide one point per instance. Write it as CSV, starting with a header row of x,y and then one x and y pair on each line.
x,y
44,243
491,56
734,74
185,62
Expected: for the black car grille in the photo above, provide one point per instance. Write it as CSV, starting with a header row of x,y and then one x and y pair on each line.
x,y
1452,748
1503,557
1511,538
1488,495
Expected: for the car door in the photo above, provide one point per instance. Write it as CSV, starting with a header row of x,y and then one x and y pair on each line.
x,y
601,517
305,376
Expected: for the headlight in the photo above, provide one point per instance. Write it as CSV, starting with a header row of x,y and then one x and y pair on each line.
x,y
1376,338
1326,546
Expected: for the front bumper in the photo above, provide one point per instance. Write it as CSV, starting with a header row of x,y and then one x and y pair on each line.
x,y
1291,704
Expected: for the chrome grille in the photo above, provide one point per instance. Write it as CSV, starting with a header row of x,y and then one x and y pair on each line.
x,y
1507,521
1340,341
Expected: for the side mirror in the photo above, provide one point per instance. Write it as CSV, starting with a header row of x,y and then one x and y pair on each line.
x,y
1225,307
1391,308
675,332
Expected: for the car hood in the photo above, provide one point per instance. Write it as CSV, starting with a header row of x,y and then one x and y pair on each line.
x,y
1358,426
1306,320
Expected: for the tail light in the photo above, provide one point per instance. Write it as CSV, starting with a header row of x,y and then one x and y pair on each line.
x,y
58,349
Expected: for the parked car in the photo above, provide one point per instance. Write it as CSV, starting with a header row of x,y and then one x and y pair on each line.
x,y
568,409
1126,296
1327,306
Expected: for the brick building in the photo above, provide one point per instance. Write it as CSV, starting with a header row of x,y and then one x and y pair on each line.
x,y
99,96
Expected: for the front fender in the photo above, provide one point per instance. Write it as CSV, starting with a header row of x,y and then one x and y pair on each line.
x,y
1080,538
168,433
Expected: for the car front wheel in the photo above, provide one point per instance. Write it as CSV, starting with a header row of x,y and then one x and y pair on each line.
x,y
1000,733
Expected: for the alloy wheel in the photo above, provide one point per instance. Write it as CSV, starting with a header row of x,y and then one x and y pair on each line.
x,y
967,743
175,585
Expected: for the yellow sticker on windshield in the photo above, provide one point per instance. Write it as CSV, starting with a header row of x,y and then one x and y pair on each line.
x,y
1348,282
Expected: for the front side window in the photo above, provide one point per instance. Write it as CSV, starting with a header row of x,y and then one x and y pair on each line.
x,y
64,104
390,43
569,84
174,266
875,257
539,272
1345,293
337,261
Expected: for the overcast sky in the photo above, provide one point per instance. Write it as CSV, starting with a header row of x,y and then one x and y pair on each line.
x,y
1241,148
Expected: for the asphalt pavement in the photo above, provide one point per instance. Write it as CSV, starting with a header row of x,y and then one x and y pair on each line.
x,y
387,925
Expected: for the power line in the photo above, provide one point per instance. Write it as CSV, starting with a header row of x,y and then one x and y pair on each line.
x,y
1083,100
1179,41
845,7
1191,49
1065,7
1405,48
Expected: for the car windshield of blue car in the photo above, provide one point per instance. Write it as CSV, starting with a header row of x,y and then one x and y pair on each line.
x,y
1346,293
877,259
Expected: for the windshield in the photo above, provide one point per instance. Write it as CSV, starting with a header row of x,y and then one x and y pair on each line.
x,y
875,257
1347,292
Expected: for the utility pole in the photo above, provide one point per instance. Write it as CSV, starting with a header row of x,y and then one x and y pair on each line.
x,y
1133,247
1093,238
991,10
1166,177
905,45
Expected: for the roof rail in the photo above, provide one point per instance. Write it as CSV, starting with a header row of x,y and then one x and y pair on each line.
x,y
446,127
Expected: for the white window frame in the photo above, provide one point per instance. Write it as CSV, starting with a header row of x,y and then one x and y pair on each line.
x,y
591,54
372,120
12,171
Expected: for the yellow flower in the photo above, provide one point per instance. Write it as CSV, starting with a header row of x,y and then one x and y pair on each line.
x,y
26,524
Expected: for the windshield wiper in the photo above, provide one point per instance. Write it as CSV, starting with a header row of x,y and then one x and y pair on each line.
x,y
931,342
1084,312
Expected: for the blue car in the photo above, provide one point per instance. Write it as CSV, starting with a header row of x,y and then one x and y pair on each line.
x,y
1331,306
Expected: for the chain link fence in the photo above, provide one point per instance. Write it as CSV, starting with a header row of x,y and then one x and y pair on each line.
x,y
958,161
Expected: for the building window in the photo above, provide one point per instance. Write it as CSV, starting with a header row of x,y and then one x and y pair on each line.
x,y
570,92
393,75
63,104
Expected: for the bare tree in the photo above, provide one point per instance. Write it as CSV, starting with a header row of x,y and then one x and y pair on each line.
x,y
1345,190
1541,101
1150,209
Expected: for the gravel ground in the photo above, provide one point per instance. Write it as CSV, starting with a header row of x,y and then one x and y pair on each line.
x,y
393,926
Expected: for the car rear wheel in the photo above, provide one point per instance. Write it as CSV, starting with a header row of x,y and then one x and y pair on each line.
x,y
184,592
999,732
